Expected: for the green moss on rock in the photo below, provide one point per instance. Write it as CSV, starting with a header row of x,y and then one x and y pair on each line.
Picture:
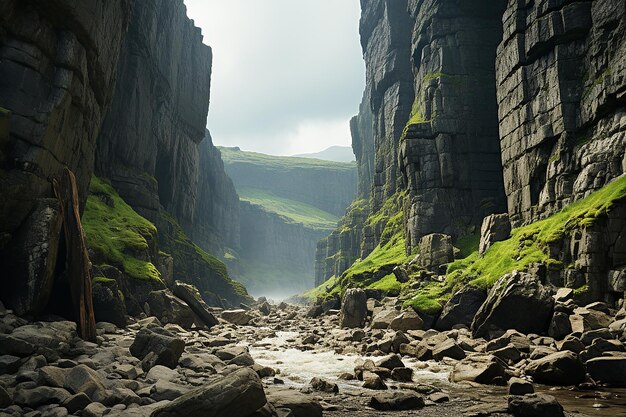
x,y
117,234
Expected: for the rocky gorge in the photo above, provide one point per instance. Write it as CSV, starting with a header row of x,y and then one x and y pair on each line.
x,y
480,270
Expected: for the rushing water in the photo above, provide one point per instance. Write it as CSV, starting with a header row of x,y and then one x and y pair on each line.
x,y
298,367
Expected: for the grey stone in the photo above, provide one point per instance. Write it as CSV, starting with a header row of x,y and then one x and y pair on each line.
x,y
239,317
190,295
461,308
495,228
535,405
396,401
165,347
561,368
353,308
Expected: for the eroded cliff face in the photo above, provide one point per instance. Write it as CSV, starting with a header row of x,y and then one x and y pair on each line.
x,y
58,63
155,150
561,84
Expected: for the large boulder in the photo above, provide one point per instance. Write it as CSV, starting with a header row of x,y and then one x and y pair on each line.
x,y
169,309
586,319
353,308
190,294
396,401
608,370
436,250
240,317
495,228
239,394
407,320
461,308
535,405
483,369
163,347
300,405
108,302
509,303
560,368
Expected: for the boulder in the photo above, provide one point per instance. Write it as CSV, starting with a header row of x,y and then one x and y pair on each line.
x,y
560,368
5,399
436,250
407,320
165,347
83,379
383,319
353,308
461,308
508,304
584,320
390,362
190,295
448,349
608,370
39,396
560,326
239,394
535,405
299,404
373,381
169,309
240,317
483,369
495,228
518,386
321,385
108,302
396,401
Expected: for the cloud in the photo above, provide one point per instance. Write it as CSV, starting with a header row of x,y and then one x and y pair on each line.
x,y
282,68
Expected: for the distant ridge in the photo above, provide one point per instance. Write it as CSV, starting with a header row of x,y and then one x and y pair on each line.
x,y
334,153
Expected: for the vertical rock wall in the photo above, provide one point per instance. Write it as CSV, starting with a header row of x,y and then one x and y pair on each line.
x,y
561,74
58,61
449,153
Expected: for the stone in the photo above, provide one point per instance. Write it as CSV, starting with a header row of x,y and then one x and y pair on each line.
x,y
9,364
483,369
436,250
495,228
508,304
396,401
238,394
561,368
564,294
10,345
584,320
108,303
299,404
383,319
165,347
608,370
353,308
166,390
39,396
170,309
83,379
560,326
390,362
76,402
448,349
407,320
5,399
240,317
94,410
265,308
373,381
518,386
535,405
402,374
321,385
461,308
190,295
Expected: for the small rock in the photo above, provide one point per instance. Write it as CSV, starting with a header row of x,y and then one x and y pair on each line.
x,y
396,401
319,384
535,405
518,386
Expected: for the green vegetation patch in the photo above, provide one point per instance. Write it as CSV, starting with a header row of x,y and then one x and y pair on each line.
x,y
295,211
388,284
232,156
115,232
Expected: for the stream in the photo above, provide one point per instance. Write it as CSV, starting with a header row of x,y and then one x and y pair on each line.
x,y
298,367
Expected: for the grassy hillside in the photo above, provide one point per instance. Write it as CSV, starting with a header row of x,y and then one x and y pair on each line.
x,y
233,155
294,211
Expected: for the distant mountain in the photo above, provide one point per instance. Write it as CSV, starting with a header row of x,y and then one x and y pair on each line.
x,y
334,153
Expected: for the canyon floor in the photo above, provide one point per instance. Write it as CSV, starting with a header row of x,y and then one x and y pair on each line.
x,y
306,364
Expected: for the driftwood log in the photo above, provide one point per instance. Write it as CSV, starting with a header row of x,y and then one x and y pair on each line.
x,y
77,258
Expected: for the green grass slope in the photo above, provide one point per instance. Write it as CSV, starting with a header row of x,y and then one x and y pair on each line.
x,y
233,155
294,211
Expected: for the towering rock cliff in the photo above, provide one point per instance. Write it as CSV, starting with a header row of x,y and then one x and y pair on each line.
x,y
58,63
561,95
155,150
475,109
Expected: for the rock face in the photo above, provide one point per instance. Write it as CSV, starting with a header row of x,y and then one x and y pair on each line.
x,y
435,250
353,308
509,303
495,228
156,151
239,394
561,115
57,75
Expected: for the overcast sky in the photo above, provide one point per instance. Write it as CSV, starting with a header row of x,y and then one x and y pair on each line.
x,y
287,74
